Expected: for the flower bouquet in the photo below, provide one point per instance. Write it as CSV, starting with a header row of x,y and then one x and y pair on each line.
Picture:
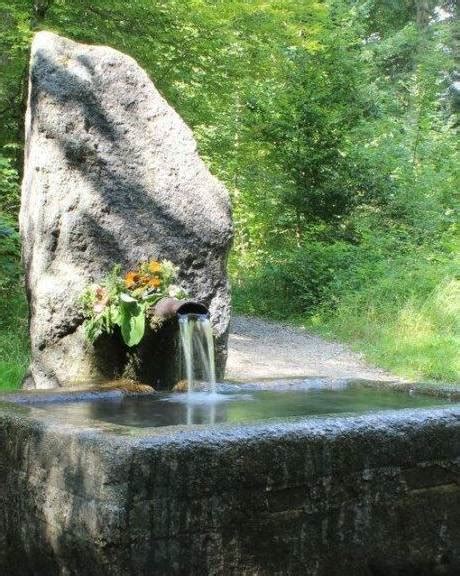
x,y
123,300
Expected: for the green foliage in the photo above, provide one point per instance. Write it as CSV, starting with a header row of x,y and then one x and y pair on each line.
x,y
293,282
131,319
367,256
13,310
330,123
407,321
123,301
14,343
9,186
9,255
10,272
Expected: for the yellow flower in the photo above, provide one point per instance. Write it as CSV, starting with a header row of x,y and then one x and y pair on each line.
x,y
131,279
154,266
154,282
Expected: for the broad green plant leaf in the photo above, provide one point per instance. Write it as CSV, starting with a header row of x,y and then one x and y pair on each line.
x,y
131,321
127,299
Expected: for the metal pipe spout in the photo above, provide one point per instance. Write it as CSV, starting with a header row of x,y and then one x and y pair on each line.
x,y
171,307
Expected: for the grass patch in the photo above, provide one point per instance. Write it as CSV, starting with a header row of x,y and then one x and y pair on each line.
x,y
14,343
402,310
419,339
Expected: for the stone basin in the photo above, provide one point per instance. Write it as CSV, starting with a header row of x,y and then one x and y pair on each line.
x,y
297,477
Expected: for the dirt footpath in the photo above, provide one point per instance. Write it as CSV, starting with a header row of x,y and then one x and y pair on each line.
x,y
261,349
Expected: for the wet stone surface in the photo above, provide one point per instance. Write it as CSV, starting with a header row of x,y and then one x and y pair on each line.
x,y
376,493
235,404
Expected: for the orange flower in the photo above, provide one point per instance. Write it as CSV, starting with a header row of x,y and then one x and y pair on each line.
x,y
131,278
154,282
154,266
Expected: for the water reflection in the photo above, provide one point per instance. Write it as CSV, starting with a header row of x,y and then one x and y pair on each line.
x,y
196,414
171,409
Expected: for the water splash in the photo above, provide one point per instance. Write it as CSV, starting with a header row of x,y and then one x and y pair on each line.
x,y
198,353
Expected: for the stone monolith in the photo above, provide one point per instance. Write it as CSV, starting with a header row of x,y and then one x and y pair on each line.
x,y
112,175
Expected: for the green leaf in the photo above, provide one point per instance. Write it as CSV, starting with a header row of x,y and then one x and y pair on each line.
x,y
132,322
127,298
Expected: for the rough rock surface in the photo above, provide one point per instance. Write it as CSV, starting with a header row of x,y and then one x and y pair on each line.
x,y
111,175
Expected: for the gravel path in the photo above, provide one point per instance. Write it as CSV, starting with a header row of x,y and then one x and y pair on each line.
x,y
260,349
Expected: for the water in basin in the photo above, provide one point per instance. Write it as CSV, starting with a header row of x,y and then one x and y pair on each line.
x,y
237,404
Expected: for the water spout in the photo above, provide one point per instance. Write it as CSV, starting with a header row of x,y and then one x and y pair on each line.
x,y
171,307
198,352
196,342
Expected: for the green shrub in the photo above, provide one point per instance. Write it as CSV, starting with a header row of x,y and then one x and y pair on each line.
x,y
14,342
406,319
395,301
13,309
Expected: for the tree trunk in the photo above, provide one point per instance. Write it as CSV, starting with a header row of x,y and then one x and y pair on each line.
x,y
40,8
423,15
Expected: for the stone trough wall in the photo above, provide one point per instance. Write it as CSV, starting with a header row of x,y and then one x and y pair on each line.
x,y
375,495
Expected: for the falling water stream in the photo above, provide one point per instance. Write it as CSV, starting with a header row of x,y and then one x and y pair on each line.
x,y
198,363
198,352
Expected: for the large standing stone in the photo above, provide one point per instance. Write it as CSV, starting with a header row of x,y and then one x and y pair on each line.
x,y
111,175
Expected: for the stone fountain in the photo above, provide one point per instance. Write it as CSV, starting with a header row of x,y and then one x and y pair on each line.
x,y
112,175
308,478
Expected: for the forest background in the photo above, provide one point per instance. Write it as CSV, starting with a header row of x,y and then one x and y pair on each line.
x,y
333,124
